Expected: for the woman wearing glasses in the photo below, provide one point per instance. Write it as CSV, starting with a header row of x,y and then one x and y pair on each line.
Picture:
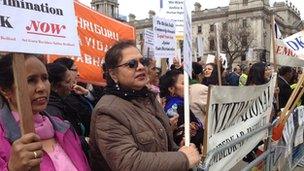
x,y
129,130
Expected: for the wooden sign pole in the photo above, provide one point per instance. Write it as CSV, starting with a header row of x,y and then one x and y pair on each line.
x,y
273,39
23,100
218,62
205,141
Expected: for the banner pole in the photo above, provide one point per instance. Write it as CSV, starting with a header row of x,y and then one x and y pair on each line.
x,y
272,26
205,140
219,72
23,101
186,109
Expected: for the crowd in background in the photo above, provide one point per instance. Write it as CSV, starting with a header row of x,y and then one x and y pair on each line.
x,y
136,122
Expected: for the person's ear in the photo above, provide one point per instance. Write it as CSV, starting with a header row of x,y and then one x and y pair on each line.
x,y
113,75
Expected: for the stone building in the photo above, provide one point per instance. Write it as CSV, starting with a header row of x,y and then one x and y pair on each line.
x,y
107,7
251,15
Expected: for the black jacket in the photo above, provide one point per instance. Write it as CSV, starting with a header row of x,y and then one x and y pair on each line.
x,y
59,107
285,92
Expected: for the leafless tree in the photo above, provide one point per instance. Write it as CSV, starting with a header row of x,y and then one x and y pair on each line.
x,y
235,42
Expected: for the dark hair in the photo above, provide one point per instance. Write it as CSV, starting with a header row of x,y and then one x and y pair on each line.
x,y
169,79
256,74
67,62
213,79
196,69
285,70
6,72
113,57
56,72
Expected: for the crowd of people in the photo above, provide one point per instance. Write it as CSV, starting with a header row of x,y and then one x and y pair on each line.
x,y
135,122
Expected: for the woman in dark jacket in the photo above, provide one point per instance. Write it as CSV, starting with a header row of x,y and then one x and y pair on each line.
x,y
129,130
62,82
210,75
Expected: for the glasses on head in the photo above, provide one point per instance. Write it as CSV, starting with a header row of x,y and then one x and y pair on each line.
x,y
133,63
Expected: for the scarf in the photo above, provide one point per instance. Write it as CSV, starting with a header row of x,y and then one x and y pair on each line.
x,y
127,94
43,125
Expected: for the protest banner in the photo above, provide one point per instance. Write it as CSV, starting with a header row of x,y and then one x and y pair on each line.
x,y
224,60
164,38
286,56
46,27
232,115
293,143
187,54
97,33
173,9
148,47
38,26
296,42
210,59
187,43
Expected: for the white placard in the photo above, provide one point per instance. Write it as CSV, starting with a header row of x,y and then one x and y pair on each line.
x,y
299,136
286,56
224,60
232,115
173,9
38,26
148,50
187,51
210,59
164,38
300,115
296,42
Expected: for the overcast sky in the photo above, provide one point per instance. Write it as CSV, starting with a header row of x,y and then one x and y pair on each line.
x,y
141,7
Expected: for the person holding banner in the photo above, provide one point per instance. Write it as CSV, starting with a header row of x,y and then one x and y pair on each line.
x,y
54,146
129,129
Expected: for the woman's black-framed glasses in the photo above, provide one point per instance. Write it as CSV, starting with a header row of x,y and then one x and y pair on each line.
x,y
133,63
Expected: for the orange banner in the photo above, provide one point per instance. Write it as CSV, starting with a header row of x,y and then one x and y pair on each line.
x,y
97,33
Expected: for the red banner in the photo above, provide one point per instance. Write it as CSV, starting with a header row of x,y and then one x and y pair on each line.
x,y
97,33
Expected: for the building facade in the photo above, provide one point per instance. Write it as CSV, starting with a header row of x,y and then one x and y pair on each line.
x,y
107,7
253,16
